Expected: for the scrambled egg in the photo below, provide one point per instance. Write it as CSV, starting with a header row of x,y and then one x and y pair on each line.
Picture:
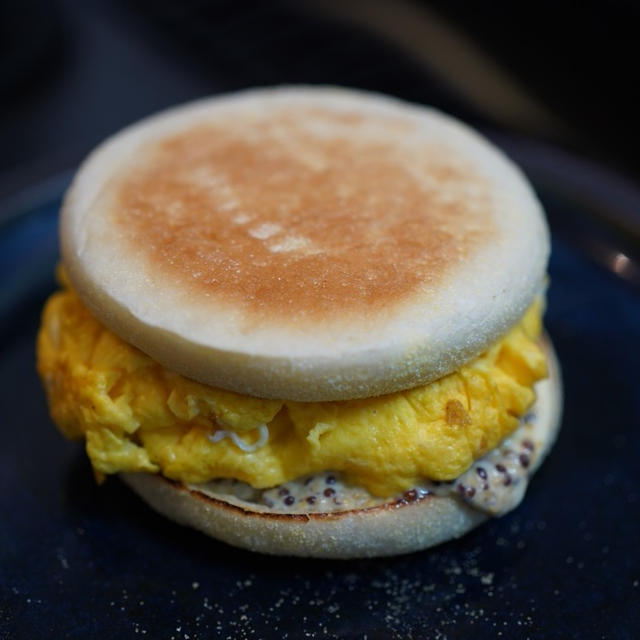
x,y
137,416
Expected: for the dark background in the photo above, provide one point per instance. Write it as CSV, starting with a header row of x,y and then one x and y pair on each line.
x,y
552,83
73,72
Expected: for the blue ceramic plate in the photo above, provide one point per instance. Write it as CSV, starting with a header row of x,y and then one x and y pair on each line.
x,y
81,561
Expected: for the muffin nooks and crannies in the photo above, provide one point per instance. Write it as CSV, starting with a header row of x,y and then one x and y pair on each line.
x,y
281,286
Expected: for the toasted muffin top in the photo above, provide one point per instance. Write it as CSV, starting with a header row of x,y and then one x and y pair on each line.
x,y
304,243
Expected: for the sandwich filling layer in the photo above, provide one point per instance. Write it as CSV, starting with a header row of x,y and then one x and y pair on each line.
x,y
137,416
494,484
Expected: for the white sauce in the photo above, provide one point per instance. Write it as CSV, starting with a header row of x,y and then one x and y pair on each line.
x,y
263,438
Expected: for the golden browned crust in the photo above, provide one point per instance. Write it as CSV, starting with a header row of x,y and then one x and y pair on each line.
x,y
278,216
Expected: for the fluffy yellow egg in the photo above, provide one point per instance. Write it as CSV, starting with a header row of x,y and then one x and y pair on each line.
x,y
137,416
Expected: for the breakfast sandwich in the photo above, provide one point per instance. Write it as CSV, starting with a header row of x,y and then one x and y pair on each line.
x,y
305,321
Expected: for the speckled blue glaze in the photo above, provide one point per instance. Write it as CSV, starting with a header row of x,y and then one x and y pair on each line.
x,y
82,561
